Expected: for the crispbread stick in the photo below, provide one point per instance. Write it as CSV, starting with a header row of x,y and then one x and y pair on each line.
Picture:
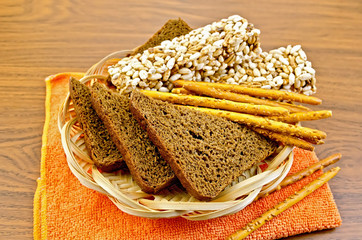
x,y
181,91
216,103
260,122
305,116
282,206
257,92
285,139
216,93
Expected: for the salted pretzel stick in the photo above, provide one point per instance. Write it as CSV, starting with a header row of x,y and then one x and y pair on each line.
x,y
285,139
216,103
305,116
257,92
216,93
284,205
260,122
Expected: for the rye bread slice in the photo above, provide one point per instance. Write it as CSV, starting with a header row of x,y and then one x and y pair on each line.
x,y
171,29
151,172
98,142
206,152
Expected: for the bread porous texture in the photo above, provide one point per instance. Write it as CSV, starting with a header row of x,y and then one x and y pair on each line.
x,y
206,152
151,172
99,144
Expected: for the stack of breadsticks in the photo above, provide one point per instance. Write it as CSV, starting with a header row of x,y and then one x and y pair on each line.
x,y
271,113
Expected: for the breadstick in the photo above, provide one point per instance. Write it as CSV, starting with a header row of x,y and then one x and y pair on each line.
x,y
181,91
251,84
305,116
290,140
216,93
216,103
285,139
305,172
293,108
311,169
260,122
257,92
282,206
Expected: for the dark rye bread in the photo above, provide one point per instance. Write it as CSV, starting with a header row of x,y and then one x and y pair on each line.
x,y
206,152
151,172
98,142
171,29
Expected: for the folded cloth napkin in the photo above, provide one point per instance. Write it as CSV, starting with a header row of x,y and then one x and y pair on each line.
x,y
65,209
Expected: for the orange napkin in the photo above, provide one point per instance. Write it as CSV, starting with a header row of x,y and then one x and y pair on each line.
x,y
65,209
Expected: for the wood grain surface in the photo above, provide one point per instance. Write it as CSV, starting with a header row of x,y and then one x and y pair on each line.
x,y
42,37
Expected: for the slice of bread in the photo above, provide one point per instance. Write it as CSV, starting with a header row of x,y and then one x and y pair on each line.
x,y
151,172
171,29
206,152
98,142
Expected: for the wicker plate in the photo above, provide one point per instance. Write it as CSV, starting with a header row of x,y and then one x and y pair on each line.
x,y
174,201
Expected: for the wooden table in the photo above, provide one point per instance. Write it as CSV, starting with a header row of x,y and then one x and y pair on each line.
x,y
39,38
